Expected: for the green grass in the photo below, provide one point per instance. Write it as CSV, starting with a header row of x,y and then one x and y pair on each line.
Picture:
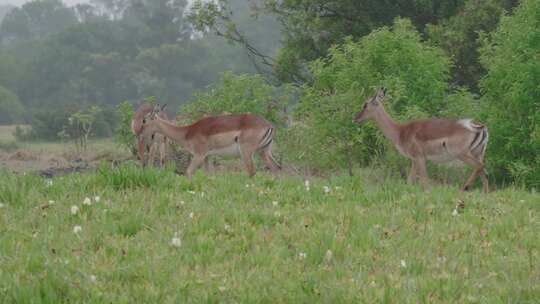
x,y
237,246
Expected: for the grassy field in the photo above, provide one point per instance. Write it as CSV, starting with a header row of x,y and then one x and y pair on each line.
x,y
155,237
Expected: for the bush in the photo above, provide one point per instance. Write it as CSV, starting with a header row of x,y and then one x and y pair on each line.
x,y
11,109
8,146
241,94
122,134
47,125
397,58
512,95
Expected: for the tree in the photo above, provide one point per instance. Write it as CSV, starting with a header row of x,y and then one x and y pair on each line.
x,y
458,36
4,10
11,109
80,126
512,94
36,20
311,27
395,57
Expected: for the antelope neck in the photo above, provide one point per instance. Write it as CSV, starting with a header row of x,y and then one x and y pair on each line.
x,y
389,128
171,130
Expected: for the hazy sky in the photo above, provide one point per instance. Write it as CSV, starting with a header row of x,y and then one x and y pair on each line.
x,y
20,2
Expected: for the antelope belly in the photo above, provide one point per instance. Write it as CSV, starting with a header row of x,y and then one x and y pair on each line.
x,y
227,150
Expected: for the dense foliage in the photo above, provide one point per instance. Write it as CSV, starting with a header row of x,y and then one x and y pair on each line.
x,y
415,74
11,109
241,94
512,94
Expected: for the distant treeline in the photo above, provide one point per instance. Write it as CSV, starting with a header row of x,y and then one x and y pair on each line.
x,y
54,57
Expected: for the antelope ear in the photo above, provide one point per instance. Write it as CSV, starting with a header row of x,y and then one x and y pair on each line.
x,y
163,107
380,96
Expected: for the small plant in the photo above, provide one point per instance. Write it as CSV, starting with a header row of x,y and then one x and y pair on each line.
x,y
80,126
8,146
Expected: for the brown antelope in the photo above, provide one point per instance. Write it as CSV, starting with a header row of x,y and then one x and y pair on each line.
x,y
240,134
438,140
146,141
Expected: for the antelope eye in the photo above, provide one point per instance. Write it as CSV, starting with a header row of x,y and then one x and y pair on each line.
x,y
144,121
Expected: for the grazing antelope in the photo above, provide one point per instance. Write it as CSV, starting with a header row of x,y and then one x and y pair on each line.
x,y
146,141
236,134
438,140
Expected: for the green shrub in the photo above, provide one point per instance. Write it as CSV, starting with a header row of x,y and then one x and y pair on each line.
x,y
512,95
122,134
11,109
241,94
8,146
416,77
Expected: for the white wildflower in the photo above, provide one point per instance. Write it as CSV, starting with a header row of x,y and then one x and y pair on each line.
x,y
326,189
51,202
74,209
275,203
455,212
87,201
97,199
77,229
191,192
403,264
222,288
277,214
93,278
48,182
182,202
328,255
227,227
191,215
2,205
302,255
441,259
176,241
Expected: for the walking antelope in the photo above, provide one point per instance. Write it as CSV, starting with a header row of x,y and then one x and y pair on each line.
x,y
146,141
236,134
438,140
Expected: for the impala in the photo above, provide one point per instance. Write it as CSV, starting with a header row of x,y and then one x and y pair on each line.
x,y
236,134
438,140
146,141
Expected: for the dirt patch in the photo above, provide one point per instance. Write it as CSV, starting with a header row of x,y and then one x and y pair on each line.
x,y
22,155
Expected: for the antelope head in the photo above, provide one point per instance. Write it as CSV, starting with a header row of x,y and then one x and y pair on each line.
x,y
371,105
157,111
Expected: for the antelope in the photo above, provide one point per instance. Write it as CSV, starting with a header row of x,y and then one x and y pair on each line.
x,y
437,140
233,134
146,141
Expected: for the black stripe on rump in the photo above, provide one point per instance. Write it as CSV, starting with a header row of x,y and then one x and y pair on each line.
x,y
482,141
267,138
473,142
